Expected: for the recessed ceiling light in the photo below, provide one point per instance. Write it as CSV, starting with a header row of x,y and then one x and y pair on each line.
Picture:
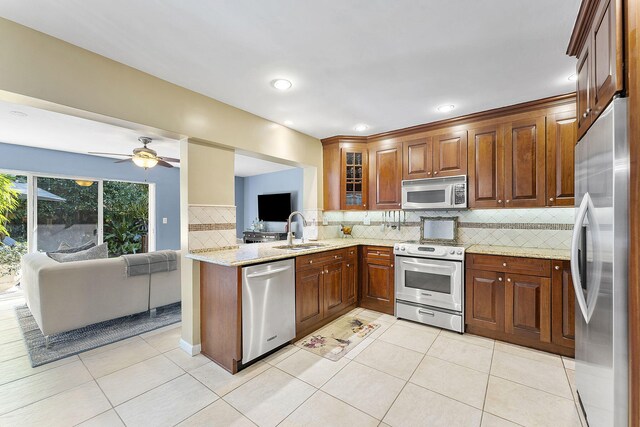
x,y
288,122
573,77
446,108
361,127
281,84
19,114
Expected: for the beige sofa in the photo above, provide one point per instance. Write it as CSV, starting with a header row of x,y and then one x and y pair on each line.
x,y
70,295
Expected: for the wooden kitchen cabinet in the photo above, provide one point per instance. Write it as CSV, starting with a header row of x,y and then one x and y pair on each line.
x,y
417,158
377,290
345,174
323,288
484,300
507,163
597,42
450,154
561,141
563,300
528,307
309,297
514,299
486,167
524,163
385,175
350,281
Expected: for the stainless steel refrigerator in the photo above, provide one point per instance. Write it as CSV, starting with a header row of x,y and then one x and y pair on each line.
x,y
599,253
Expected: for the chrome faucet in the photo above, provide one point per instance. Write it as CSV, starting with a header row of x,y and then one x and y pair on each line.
x,y
289,234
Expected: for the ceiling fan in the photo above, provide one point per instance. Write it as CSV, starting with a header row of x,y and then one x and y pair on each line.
x,y
143,157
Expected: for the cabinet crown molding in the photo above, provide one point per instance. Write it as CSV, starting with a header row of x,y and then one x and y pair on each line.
x,y
550,102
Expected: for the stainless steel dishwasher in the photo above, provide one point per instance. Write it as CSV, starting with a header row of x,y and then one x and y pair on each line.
x,y
268,307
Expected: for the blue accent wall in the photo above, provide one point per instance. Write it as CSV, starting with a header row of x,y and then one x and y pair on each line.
x,y
288,181
39,160
239,194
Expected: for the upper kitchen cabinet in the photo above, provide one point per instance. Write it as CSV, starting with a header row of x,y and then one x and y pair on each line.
x,y
597,42
346,171
561,141
417,158
385,174
486,167
450,154
524,163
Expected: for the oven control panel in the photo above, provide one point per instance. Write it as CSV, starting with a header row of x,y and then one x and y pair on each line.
x,y
429,251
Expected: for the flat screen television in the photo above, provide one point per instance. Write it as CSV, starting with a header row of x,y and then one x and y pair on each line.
x,y
274,207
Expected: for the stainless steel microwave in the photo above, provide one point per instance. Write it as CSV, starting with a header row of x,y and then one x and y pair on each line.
x,y
435,193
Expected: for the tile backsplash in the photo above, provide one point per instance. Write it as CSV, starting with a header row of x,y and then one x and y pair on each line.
x,y
535,228
211,227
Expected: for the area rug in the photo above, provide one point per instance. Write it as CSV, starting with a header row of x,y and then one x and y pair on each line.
x,y
338,338
73,342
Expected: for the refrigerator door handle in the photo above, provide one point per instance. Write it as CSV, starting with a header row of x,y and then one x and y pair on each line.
x,y
575,243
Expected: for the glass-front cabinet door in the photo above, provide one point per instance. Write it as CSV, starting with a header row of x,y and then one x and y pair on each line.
x,y
353,181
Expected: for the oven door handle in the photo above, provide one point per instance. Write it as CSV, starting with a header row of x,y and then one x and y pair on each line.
x,y
421,264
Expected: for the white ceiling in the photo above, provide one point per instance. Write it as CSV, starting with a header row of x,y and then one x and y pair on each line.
x,y
388,64
55,131
250,166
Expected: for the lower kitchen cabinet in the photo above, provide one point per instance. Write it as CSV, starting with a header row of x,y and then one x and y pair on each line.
x,y
325,287
563,305
525,301
377,290
485,299
528,307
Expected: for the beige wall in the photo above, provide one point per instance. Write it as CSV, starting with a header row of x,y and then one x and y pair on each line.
x,y
207,180
42,71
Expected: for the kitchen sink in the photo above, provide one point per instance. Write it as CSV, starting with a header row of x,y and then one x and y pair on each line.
x,y
301,246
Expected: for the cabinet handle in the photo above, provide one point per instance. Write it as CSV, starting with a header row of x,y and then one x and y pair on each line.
x,y
310,261
428,173
586,113
508,279
326,271
499,200
335,256
435,173
551,199
557,267
508,201
391,265
348,265
322,272
504,264
364,205
499,279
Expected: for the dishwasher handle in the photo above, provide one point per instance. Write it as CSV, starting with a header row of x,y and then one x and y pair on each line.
x,y
268,272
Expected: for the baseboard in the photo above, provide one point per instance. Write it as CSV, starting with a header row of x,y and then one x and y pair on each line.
x,y
190,349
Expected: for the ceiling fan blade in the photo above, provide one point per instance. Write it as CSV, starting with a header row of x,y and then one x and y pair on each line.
x,y
110,154
165,164
169,159
123,160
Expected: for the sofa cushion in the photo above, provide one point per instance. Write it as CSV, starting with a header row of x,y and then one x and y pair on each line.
x,y
64,248
96,252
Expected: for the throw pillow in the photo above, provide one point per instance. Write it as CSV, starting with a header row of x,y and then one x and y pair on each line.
x,y
64,248
96,252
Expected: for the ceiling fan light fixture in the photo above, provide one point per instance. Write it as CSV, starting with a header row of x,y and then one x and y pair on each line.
x,y
84,183
144,161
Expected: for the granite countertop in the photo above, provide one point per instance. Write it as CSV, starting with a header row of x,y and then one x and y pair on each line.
x,y
255,253
560,254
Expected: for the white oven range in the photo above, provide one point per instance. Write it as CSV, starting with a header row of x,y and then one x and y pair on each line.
x,y
430,284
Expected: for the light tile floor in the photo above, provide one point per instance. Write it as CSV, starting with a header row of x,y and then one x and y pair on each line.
x,y
404,374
